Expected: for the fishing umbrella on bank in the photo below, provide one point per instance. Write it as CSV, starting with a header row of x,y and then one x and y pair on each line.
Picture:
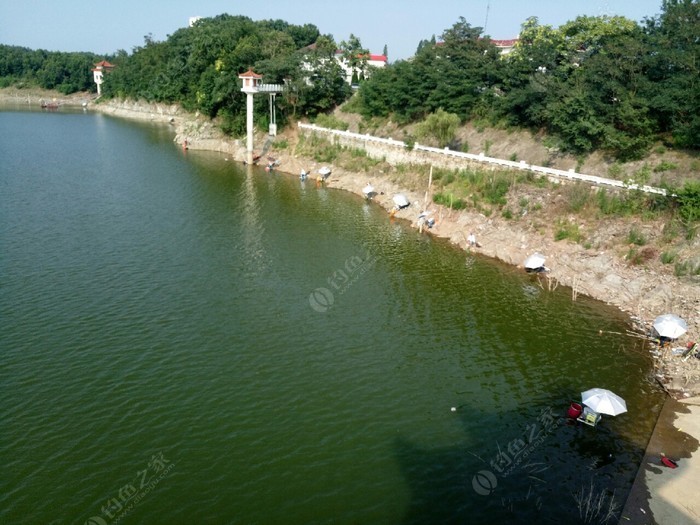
x,y
670,326
401,201
536,260
604,401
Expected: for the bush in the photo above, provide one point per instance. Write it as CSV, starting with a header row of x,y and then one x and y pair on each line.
x,y
441,126
688,200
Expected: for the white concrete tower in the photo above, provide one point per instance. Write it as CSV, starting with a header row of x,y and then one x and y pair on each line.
x,y
98,73
251,83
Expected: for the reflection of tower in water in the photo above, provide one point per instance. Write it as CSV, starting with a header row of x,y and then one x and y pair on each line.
x,y
252,228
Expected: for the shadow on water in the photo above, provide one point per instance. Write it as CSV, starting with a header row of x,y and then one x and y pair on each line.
x,y
545,468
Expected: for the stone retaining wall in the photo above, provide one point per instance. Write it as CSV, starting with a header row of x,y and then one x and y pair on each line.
x,y
396,152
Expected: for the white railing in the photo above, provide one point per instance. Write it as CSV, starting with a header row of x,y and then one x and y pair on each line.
x,y
521,165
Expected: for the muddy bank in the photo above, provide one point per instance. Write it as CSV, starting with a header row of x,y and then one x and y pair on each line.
x,y
643,292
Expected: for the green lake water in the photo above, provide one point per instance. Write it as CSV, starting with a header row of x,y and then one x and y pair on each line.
x,y
184,340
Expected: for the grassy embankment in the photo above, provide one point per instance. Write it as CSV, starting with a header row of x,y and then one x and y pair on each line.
x,y
644,229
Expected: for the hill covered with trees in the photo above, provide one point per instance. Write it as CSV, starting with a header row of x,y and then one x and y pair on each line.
x,y
594,84
65,72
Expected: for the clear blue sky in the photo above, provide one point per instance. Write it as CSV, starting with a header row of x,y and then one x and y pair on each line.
x,y
105,26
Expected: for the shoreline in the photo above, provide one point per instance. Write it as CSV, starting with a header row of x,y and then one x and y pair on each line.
x,y
637,292
661,495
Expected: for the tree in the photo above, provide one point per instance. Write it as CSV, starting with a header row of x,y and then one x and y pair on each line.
x,y
674,70
355,56
441,125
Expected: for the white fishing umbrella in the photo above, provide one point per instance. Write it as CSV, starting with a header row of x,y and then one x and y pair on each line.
x,y
400,200
325,171
536,260
604,401
670,326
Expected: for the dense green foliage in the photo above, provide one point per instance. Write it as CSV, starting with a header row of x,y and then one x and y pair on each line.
x,y
199,67
64,72
595,83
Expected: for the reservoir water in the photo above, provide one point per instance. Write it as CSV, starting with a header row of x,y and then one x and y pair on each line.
x,y
184,340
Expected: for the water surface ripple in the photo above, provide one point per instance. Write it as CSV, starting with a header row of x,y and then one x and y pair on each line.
x,y
186,341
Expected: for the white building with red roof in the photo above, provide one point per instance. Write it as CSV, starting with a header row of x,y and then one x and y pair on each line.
x,y
505,46
371,60
98,73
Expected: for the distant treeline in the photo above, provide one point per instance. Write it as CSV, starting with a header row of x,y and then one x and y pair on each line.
x,y
64,72
595,83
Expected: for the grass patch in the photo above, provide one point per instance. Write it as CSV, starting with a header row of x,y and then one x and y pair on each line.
x,y
668,257
686,268
330,121
664,166
615,171
636,237
577,196
566,230
448,199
